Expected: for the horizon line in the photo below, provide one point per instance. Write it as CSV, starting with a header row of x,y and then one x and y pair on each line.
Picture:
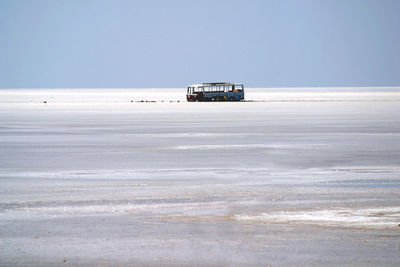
x,y
258,87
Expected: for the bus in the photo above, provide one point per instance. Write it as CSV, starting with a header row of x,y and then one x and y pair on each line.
x,y
220,91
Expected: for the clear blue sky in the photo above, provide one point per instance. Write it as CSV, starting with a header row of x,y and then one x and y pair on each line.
x,y
140,44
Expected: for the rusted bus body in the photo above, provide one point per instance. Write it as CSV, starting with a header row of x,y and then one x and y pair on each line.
x,y
215,92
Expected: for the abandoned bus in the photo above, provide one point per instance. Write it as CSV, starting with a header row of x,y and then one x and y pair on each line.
x,y
215,92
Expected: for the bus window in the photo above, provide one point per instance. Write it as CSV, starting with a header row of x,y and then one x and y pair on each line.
x,y
228,88
239,87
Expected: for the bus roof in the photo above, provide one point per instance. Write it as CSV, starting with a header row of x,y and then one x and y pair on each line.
x,y
212,84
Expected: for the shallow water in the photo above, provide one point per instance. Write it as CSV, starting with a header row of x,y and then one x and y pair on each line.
x,y
294,176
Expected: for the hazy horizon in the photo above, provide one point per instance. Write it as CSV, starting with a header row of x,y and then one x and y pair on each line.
x,y
184,87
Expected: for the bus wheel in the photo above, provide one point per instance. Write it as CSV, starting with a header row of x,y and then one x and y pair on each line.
x,y
231,99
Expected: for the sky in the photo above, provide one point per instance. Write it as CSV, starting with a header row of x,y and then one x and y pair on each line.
x,y
170,43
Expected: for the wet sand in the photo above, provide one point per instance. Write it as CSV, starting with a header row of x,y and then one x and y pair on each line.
x,y
292,177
